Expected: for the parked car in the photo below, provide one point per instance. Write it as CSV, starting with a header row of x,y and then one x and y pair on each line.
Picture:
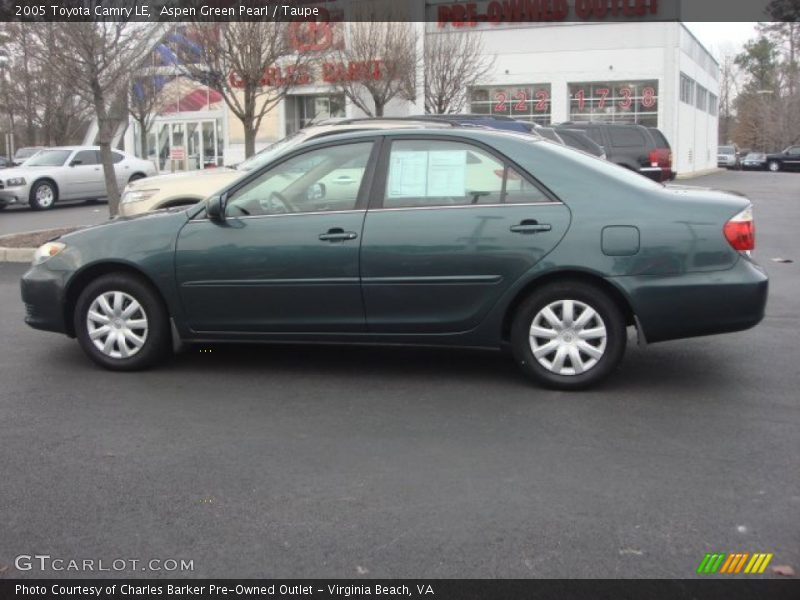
x,y
788,160
549,133
630,146
465,237
663,153
728,157
492,121
574,138
4,162
24,153
190,187
754,161
66,173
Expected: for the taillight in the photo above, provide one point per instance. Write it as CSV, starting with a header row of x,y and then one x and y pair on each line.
x,y
653,158
740,231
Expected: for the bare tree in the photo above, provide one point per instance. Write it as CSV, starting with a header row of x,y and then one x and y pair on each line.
x,y
251,64
454,62
146,98
98,68
728,91
378,63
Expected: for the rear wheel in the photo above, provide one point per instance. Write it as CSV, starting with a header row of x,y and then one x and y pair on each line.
x,y
568,335
43,195
774,166
121,323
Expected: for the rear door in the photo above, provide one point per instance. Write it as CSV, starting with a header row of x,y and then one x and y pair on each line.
x,y
451,225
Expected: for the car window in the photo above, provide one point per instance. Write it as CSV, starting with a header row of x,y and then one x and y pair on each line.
x,y
425,173
48,158
86,157
659,138
324,179
626,137
593,133
116,157
794,150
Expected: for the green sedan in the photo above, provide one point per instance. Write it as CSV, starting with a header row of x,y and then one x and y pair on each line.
x,y
460,237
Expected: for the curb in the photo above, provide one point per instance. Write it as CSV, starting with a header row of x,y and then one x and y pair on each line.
x,y
20,255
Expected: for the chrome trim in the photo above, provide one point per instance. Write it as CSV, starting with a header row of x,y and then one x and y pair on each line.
x,y
268,282
436,280
293,214
653,169
447,207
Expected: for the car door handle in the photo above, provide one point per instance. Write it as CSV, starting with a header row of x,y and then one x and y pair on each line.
x,y
344,179
530,226
337,234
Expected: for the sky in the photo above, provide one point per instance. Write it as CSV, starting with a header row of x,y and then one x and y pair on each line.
x,y
720,37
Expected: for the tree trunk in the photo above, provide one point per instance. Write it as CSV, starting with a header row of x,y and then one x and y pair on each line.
x,y
249,138
378,108
143,138
110,177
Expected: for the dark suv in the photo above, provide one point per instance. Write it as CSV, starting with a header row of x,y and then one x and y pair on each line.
x,y
635,147
788,160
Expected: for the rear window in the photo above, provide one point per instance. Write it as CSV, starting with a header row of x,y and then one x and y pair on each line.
x,y
626,137
659,138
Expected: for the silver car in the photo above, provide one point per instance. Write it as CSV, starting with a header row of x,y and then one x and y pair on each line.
x,y
728,157
66,173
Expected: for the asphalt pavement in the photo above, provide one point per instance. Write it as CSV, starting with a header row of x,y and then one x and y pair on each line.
x,y
18,219
292,461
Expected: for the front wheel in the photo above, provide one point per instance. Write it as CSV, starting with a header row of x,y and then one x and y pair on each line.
x,y
43,195
121,323
774,166
568,335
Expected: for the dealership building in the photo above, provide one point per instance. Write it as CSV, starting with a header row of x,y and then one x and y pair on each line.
x,y
655,73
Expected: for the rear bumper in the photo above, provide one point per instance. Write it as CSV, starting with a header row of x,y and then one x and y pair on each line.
x,y
695,304
43,295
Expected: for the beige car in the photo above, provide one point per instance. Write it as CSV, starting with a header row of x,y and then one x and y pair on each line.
x,y
190,187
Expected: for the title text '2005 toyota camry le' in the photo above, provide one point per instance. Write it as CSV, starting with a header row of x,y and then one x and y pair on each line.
x,y
454,237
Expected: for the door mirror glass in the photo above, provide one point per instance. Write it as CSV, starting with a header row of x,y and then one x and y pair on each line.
x,y
315,192
215,208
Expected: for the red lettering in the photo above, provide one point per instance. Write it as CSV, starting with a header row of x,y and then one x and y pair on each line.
x,y
494,12
583,8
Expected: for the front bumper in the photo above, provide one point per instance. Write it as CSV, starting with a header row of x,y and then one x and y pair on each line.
x,y
695,304
14,195
43,295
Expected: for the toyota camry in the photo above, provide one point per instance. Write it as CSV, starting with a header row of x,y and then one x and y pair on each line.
x,y
459,237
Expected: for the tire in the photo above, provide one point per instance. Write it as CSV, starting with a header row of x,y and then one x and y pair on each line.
x,y
44,194
136,177
146,339
592,366
774,166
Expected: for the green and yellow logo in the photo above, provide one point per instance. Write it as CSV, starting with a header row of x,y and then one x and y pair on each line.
x,y
738,562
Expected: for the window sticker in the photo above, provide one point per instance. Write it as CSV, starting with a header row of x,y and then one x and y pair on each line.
x,y
418,174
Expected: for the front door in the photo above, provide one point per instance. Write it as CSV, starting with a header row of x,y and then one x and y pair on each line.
x,y
451,229
286,258
85,175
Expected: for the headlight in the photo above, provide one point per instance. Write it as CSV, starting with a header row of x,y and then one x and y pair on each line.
x,y
46,251
137,195
15,181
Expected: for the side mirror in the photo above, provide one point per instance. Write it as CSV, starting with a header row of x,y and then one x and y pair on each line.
x,y
315,192
215,208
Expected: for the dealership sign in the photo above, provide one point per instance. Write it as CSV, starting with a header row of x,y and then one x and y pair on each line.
x,y
463,14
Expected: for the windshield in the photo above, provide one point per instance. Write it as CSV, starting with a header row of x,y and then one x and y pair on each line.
x,y
726,150
26,152
267,154
48,158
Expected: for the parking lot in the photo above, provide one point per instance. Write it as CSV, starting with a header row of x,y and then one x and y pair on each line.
x,y
293,461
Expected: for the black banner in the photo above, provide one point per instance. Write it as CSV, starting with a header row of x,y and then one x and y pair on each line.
x,y
435,589
446,13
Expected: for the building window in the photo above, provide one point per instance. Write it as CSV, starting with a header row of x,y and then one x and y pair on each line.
x,y
702,97
615,102
687,89
302,111
713,104
528,102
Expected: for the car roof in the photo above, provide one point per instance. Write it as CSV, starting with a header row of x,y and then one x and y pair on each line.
x,y
373,123
479,134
